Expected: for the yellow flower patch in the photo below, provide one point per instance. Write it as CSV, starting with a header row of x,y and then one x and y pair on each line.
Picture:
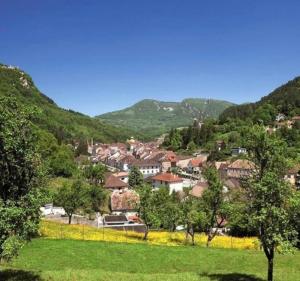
x,y
57,230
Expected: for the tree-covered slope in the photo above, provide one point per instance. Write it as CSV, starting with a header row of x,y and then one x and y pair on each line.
x,y
64,124
285,99
156,117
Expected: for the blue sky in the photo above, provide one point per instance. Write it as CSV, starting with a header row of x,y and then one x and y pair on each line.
x,y
99,56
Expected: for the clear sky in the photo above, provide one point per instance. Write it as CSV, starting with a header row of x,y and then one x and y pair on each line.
x,y
99,56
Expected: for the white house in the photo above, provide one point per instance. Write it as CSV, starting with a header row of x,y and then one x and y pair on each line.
x,y
147,167
172,181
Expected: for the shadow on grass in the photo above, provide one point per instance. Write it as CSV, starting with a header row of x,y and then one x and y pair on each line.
x,y
231,277
18,275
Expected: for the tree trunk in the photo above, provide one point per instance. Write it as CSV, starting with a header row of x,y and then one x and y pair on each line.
x,y
70,219
146,233
270,269
209,239
193,236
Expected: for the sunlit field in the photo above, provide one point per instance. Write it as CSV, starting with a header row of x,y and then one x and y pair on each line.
x,y
56,230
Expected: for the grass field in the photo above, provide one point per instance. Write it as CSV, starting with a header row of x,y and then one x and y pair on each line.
x,y
74,260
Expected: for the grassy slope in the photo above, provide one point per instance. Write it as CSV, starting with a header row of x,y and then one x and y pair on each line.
x,y
83,260
53,118
153,117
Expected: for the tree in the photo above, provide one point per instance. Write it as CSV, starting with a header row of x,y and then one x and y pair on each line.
x,y
72,198
96,198
20,173
135,178
269,196
62,162
82,148
147,208
214,204
95,173
192,217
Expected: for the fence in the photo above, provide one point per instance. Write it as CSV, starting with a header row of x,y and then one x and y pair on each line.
x,y
55,230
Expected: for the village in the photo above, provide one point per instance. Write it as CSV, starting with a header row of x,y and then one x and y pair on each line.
x,y
162,168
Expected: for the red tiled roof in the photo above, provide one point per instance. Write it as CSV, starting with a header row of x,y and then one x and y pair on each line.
x,y
113,182
197,162
167,177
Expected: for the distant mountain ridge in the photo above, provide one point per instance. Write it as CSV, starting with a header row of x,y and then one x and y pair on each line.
x,y
155,117
63,124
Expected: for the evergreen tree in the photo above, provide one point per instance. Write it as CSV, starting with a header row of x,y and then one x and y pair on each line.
x,y
136,178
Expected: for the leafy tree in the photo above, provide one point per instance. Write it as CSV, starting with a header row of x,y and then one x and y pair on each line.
x,y
72,198
96,198
270,197
147,208
20,173
82,148
135,178
214,204
95,173
62,162
192,217
191,146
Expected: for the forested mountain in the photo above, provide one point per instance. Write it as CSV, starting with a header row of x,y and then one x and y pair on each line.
x,y
285,99
64,124
156,117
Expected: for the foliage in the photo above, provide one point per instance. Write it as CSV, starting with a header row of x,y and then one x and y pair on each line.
x,y
72,198
285,99
94,173
136,178
147,208
20,173
62,162
97,197
11,247
214,203
269,195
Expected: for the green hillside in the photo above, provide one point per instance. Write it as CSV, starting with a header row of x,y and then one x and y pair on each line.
x,y
64,124
156,117
285,99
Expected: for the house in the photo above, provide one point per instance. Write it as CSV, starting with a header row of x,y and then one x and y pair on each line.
x,y
125,162
172,181
183,161
280,117
240,168
114,183
195,165
147,167
124,202
235,151
198,189
123,176
293,176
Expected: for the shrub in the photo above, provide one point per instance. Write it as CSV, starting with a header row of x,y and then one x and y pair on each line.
x,y
11,247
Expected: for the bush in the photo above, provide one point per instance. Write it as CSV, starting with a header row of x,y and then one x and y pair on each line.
x,y
11,247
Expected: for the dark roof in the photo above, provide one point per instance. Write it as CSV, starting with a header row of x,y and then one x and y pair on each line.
x,y
115,218
113,182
